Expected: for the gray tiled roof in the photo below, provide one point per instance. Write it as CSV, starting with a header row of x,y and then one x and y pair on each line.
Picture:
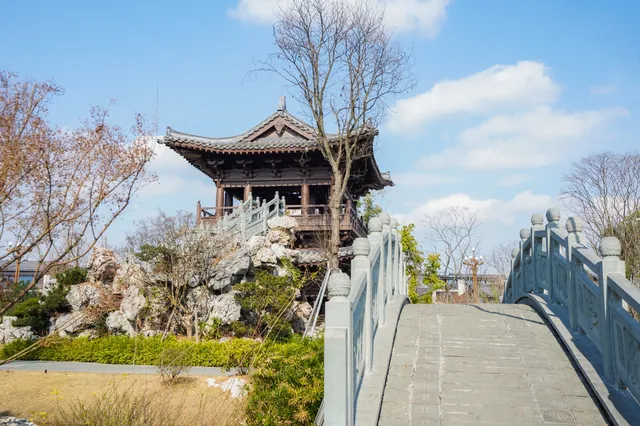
x,y
243,142
311,256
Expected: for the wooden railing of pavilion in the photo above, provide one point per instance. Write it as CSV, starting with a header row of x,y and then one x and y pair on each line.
x,y
310,218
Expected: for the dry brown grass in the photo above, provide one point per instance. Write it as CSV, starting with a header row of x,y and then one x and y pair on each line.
x,y
105,399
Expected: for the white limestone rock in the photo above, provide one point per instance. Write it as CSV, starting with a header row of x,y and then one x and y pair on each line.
x,y
129,274
230,270
15,421
82,296
117,322
200,299
225,308
265,256
299,314
9,333
254,244
132,303
282,222
68,323
102,265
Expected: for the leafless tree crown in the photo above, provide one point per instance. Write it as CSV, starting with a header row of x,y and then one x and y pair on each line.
x,y
60,190
452,232
343,65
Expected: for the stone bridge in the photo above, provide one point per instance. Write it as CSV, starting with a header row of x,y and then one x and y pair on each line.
x,y
563,349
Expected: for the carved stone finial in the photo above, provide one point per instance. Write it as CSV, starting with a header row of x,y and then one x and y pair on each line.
x,y
375,225
361,247
339,284
514,252
282,104
574,225
537,219
610,246
385,218
525,233
393,223
553,215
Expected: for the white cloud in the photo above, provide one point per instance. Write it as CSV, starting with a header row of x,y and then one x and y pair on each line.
x,y
603,89
175,176
501,86
528,140
424,16
487,209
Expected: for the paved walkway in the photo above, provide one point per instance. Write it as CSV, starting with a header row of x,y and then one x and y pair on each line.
x,y
91,367
487,364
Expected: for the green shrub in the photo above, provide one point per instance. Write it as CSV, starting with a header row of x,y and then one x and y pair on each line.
x,y
287,385
136,350
36,311
71,276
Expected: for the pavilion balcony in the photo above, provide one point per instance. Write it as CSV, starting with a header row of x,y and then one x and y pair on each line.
x,y
310,218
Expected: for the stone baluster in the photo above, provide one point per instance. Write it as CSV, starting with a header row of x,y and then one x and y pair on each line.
x,y
574,238
610,249
524,254
265,213
553,221
338,353
376,240
514,280
537,226
361,263
395,257
388,269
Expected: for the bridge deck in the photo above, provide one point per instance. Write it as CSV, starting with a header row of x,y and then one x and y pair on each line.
x,y
481,364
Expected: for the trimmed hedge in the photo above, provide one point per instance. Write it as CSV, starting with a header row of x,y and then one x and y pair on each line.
x,y
136,350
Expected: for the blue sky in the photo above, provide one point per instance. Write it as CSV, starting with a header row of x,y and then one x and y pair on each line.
x,y
508,95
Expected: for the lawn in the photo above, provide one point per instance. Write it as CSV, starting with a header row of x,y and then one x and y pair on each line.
x,y
54,398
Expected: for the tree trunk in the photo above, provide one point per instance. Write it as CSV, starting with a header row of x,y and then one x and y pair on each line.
x,y
334,210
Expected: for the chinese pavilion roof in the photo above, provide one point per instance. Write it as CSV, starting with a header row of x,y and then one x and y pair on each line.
x,y
281,132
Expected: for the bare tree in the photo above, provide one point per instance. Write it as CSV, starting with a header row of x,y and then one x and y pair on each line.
x,y
342,65
604,191
500,258
60,190
182,256
452,232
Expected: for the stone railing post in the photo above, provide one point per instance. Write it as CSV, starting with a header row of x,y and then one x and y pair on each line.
x,y
388,269
537,221
338,353
524,254
375,240
610,249
265,213
395,260
514,280
361,263
553,221
574,238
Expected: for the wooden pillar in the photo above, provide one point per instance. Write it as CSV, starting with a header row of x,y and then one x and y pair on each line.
x,y
247,191
304,198
219,199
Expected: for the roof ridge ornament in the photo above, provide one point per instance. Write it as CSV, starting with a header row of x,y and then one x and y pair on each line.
x,y
282,104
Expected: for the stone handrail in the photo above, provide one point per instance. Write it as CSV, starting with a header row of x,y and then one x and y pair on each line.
x,y
250,218
354,313
591,287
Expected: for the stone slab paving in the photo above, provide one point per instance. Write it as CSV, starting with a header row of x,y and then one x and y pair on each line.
x,y
486,364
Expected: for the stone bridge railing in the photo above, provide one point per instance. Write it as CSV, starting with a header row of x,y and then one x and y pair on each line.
x,y
354,314
591,288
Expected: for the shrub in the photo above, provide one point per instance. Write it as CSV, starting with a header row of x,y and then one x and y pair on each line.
x,y
71,276
172,364
287,385
136,350
36,311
